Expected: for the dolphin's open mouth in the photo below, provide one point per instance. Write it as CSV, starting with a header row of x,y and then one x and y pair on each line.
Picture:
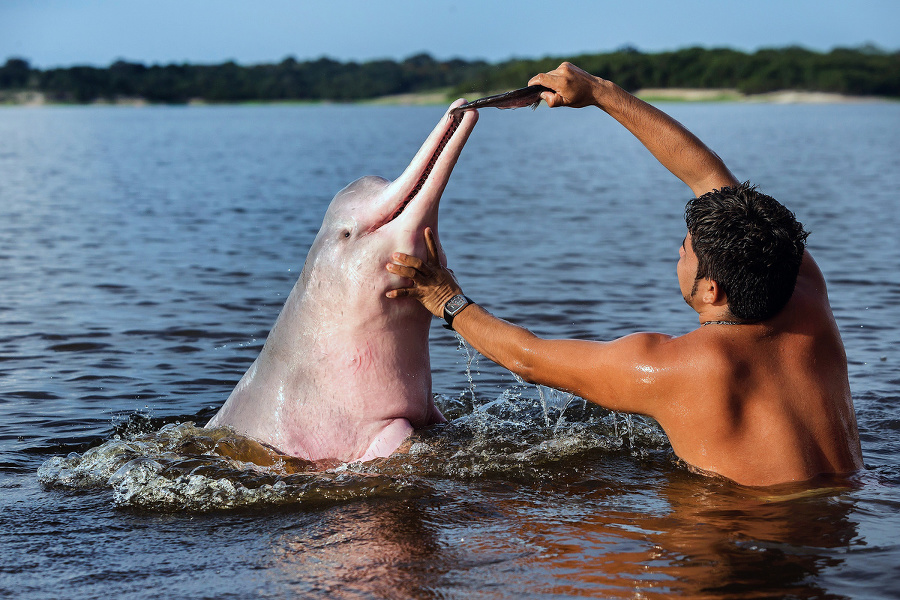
x,y
455,120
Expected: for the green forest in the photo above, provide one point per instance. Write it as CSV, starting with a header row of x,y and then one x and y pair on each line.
x,y
864,71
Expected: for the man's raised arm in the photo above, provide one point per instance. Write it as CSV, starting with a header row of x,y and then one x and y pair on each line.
x,y
675,147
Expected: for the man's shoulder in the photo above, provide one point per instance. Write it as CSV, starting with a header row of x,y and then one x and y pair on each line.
x,y
665,343
645,343
809,309
705,356
810,290
682,355
658,373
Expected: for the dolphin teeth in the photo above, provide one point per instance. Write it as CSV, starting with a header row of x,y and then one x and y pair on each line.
x,y
455,120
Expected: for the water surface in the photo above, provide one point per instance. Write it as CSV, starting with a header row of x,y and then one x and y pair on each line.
x,y
145,253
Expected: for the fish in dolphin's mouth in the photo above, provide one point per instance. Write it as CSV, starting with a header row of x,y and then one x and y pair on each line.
x,y
455,120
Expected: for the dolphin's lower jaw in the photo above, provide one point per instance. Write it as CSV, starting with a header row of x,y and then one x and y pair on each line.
x,y
455,120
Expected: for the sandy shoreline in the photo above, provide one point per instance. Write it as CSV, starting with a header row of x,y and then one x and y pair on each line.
x,y
37,99
732,95
662,95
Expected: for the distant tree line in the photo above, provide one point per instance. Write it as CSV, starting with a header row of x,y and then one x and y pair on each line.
x,y
865,71
855,71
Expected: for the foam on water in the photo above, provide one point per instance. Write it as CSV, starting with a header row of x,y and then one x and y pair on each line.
x,y
185,467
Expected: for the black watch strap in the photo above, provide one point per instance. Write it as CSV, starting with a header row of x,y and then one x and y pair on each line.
x,y
453,307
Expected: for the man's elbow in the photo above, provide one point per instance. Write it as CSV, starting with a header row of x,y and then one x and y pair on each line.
x,y
718,177
526,361
526,371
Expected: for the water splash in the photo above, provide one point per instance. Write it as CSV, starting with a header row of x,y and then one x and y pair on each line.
x,y
526,431
553,398
471,356
184,467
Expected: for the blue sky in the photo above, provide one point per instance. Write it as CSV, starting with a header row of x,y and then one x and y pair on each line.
x,y
52,33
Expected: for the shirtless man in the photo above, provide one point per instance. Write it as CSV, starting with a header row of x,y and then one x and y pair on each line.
x,y
759,392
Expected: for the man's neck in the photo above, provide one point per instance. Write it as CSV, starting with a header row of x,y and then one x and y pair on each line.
x,y
718,315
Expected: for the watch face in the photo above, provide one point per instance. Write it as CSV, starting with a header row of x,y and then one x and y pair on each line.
x,y
455,303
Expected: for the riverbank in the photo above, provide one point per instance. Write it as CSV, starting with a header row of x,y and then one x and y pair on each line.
x,y
731,95
437,97
659,95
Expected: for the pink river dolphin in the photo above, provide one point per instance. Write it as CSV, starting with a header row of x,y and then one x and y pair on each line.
x,y
345,372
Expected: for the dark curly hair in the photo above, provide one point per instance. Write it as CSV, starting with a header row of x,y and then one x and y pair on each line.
x,y
750,245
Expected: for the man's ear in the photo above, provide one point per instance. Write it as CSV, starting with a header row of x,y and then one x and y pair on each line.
x,y
711,293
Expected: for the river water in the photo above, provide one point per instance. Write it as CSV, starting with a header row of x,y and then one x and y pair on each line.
x,y
145,253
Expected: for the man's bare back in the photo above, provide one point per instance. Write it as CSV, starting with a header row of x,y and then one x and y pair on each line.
x,y
762,403
762,397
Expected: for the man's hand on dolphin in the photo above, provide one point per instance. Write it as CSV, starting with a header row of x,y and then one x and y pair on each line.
x,y
433,284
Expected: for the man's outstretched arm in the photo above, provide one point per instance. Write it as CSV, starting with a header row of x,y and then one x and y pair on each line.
x,y
612,374
669,141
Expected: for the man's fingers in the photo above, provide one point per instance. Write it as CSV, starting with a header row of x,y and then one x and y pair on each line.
x,y
404,271
431,285
546,80
408,261
402,293
431,245
553,99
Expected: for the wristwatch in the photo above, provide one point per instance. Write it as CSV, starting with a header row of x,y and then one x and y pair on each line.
x,y
453,307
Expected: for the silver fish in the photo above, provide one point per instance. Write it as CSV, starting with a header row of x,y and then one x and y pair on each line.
x,y
526,96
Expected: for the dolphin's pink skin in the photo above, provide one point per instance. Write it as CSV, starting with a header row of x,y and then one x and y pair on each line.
x,y
345,372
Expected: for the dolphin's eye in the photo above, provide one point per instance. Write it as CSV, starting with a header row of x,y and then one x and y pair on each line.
x,y
347,233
